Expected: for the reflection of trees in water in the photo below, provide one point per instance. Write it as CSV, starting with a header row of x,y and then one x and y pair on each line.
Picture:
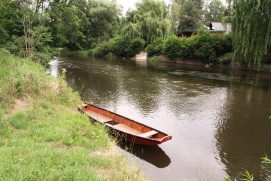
x,y
143,90
100,81
191,98
92,86
245,134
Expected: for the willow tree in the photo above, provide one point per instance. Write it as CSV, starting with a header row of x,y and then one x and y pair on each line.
x,y
252,30
148,21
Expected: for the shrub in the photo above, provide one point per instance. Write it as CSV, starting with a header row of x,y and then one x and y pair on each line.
x,y
123,47
101,50
4,51
188,46
205,46
135,46
155,48
42,58
206,53
119,46
172,47
153,59
221,44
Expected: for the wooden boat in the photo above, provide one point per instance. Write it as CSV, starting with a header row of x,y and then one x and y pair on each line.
x,y
124,127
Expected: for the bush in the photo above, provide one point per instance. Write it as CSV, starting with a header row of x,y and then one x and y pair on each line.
x,y
155,48
188,46
101,50
206,53
153,59
4,51
119,46
135,46
123,47
205,46
172,47
42,58
221,44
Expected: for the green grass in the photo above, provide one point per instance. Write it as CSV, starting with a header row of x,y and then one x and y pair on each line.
x,y
153,59
44,137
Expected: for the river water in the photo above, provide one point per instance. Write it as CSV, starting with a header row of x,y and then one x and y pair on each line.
x,y
219,119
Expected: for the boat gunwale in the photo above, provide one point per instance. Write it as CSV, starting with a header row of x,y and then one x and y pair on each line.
x,y
166,137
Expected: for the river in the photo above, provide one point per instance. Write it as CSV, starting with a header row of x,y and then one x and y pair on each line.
x,y
219,118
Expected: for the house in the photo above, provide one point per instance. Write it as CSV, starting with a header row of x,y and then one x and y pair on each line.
x,y
214,27
218,26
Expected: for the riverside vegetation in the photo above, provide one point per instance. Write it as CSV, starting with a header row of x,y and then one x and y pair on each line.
x,y
44,137
38,28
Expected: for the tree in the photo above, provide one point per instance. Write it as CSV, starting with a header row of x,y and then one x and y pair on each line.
x,y
148,21
69,23
252,30
190,16
104,18
214,11
9,26
175,16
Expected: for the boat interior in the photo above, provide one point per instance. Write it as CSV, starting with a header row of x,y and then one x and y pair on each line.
x,y
120,123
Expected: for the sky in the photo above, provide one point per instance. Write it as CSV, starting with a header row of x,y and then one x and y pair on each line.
x,y
126,4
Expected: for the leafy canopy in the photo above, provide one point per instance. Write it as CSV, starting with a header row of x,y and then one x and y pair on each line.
x,y
148,21
252,30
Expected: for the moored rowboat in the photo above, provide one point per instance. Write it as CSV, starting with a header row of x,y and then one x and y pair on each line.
x,y
125,128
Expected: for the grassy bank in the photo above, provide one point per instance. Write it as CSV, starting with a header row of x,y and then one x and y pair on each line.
x,y
42,135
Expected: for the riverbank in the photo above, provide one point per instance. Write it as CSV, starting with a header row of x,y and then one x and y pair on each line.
x,y
237,65
44,137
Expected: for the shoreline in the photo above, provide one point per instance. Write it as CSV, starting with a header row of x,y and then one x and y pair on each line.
x,y
265,68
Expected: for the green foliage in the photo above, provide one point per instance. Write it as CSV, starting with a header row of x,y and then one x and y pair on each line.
x,y
123,47
103,17
4,51
135,46
226,59
171,47
19,120
69,24
119,46
16,45
190,15
148,21
44,137
153,59
155,48
266,161
252,30
214,11
203,46
9,26
21,81
101,49
249,177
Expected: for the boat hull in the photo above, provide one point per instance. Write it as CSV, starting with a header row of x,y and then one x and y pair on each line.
x,y
125,128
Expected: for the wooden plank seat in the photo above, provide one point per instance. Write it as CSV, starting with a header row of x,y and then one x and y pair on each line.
x,y
149,134
98,117
127,129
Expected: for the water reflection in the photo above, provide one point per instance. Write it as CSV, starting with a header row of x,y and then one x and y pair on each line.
x,y
219,128
152,154
244,135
